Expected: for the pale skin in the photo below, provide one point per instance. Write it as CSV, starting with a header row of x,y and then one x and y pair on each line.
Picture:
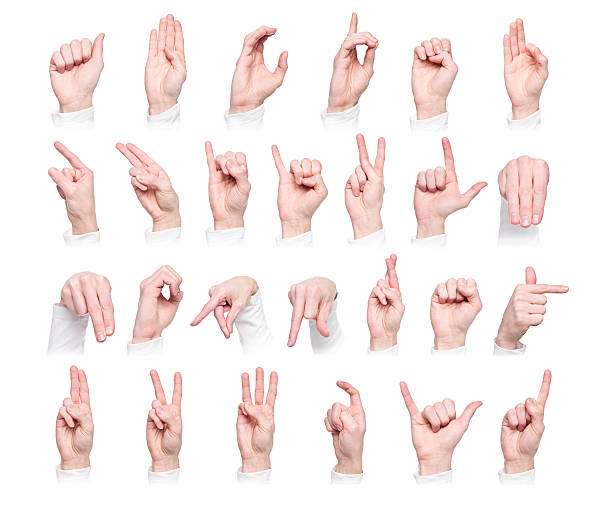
x,y
364,191
523,183
525,71
75,70
385,309
350,77
347,425
301,191
255,422
311,299
153,188
525,309
75,185
253,82
165,426
155,311
454,306
437,195
433,74
436,431
89,293
165,71
74,428
230,297
228,187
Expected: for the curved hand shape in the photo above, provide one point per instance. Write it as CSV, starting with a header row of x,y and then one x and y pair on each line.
x,y
153,188
74,428
351,78
253,82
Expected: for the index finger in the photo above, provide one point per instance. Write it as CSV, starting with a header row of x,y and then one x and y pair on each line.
x,y
177,394
408,400
253,38
548,288
364,159
352,391
83,387
246,388
392,278
449,161
144,158
206,310
69,155
159,390
132,158
545,388
74,384
353,25
296,317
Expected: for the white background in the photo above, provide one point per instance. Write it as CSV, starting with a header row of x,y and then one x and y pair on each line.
x,y
573,341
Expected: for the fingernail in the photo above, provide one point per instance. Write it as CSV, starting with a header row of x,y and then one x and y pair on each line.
x,y
514,219
525,221
536,219
109,331
101,337
229,163
438,50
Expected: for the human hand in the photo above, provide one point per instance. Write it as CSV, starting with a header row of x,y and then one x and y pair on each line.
x,y
74,428
433,74
522,430
155,312
231,297
437,195
311,299
165,71
523,183
300,193
363,195
350,78
525,72
228,187
165,426
255,423
385,309
526,308
75,184
75,70
347,425
253,82
153,188
436,431
454,306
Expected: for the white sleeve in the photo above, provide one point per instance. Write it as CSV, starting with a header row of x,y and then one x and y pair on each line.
x,y
513,235
67,335
520,349
444,478
298,241
345,479
526,478
166,119
164,477
391,352
80,119
88,239
163,237
255,336
434,240
152,347
437,123
247,120
531,122
258,477
75,476
377,238
329,344
228,237
447,353
344,119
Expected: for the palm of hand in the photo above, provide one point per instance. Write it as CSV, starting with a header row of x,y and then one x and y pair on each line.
x,y
164,442
80,195
252,78
517,444
430,81
522,78
438,204
350,78
433,444
227,196
451,319
369,199
383,320
255,439
78,440
297,201
162,79
80,81
160,198
156,313
347,444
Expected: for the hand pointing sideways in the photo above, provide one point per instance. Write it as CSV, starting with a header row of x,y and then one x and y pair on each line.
x,y
311,299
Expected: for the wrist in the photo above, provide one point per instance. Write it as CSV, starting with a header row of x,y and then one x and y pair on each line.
x,y
430,109
159,107
519,466
449,342
242,108
77,104
166,222
383,343
366,225
525,110
430,227
84,225
506,341
334,106
428,467
349,466
295,228
79,462
229,223
168,463
255,464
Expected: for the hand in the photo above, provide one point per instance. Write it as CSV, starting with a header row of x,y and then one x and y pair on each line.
x,y
155,312
523,183
87,292
433,74
75,70
526,308
364,191
525,72
231,297
153,188
228,187
74,428
437,195
454,306
165,71
255,423
351,78
311,299
300,193
522,430
347,425
385,309
253,82
436,431
165,426
75,185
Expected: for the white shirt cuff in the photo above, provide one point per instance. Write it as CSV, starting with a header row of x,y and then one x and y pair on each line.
x,y
434,240
345,479
82,118
163,237
392,351
164,477
249,119
298,241
152,347
67,334
258,477
444,478
168,118
515,235
434,124
455,351
73,475
321,344
377,238
520,349
228,237
526,478
88,239
531,122
347,118
252,327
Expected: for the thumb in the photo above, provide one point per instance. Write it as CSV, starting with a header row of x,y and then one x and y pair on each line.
x,y
282,67
96,52
232,315
530,276
444,59
468,413
472,192
347,421
322,320
537,414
